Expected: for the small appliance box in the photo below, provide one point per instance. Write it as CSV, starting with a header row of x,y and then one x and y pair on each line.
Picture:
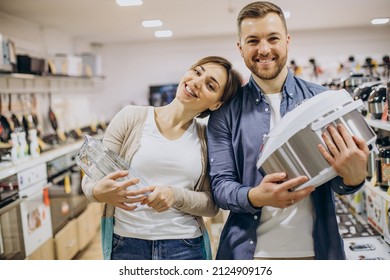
x,y
64,64
366,248
374,204
92,65
7,55
357,201
386,219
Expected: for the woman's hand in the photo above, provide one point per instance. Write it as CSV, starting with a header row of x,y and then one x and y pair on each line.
x,y
160,198
113,192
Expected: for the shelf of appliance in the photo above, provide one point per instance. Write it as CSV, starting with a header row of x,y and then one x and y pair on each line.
x,y
25,83
8,169
385,125
23,164
377,190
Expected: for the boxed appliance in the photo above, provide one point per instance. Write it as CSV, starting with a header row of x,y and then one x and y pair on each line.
x,y
366,248
292,145
386,218
65,64
357,201
374,205
92,65
7,54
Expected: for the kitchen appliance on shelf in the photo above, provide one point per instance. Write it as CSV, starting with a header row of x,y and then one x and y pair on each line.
x,y
65,193
292,145
65,65
35,207
7,55
377,101
388,100
30,65
383,168
11,232
386,219
373,158
351,82
363,91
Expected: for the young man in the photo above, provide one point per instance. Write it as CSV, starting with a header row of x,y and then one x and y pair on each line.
x,y
267,221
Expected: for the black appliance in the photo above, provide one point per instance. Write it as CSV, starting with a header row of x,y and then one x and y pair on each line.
x,y
383,168
30,65
160,95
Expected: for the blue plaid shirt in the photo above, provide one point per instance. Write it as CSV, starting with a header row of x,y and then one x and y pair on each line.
x,y
235,135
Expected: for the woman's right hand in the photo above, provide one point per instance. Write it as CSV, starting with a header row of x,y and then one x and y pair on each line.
x,y
111,191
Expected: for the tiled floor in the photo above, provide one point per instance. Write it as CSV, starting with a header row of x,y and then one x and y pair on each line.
x,y
93,251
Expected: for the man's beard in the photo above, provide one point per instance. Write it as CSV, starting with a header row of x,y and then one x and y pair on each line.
x,y
269,74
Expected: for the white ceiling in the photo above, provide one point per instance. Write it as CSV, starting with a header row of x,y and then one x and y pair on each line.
x,y
103,21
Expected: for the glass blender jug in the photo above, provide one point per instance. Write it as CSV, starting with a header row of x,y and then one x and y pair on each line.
x,y
98,161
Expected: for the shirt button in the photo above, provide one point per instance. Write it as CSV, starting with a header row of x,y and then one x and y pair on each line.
x,y
266,109
211,160
251,242
255,217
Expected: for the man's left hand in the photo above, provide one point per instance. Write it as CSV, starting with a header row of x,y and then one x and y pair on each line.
x,y
347,154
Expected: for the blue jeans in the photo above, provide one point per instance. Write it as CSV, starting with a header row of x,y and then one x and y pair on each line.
x,y
125,248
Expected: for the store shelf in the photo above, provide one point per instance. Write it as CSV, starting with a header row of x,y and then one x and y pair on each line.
x,y
16,83
385,125
378,191
8,169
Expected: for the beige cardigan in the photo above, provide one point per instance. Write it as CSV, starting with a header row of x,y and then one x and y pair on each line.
x,y
123,137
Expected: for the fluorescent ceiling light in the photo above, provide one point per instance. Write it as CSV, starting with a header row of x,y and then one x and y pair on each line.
x,y
287,14
129,2
163,33
380,20
152,23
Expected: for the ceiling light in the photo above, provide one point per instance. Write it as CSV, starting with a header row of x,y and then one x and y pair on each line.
x,y
380,20
163,33
152,23
287,14
129,2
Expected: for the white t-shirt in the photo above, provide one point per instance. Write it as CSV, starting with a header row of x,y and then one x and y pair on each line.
x,y
285,233
163,162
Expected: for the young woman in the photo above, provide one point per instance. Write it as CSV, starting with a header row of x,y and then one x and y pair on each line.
x,y
167,146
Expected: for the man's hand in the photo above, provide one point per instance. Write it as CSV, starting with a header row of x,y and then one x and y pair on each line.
x,y
274,190
348,155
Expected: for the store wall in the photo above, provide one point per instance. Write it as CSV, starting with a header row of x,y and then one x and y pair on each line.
x,y
130,68
41,41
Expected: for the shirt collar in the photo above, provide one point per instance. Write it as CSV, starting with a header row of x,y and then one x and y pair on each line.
x,y
258,95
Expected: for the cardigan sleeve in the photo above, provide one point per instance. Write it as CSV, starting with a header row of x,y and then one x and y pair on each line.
x,y
87,186
197,203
